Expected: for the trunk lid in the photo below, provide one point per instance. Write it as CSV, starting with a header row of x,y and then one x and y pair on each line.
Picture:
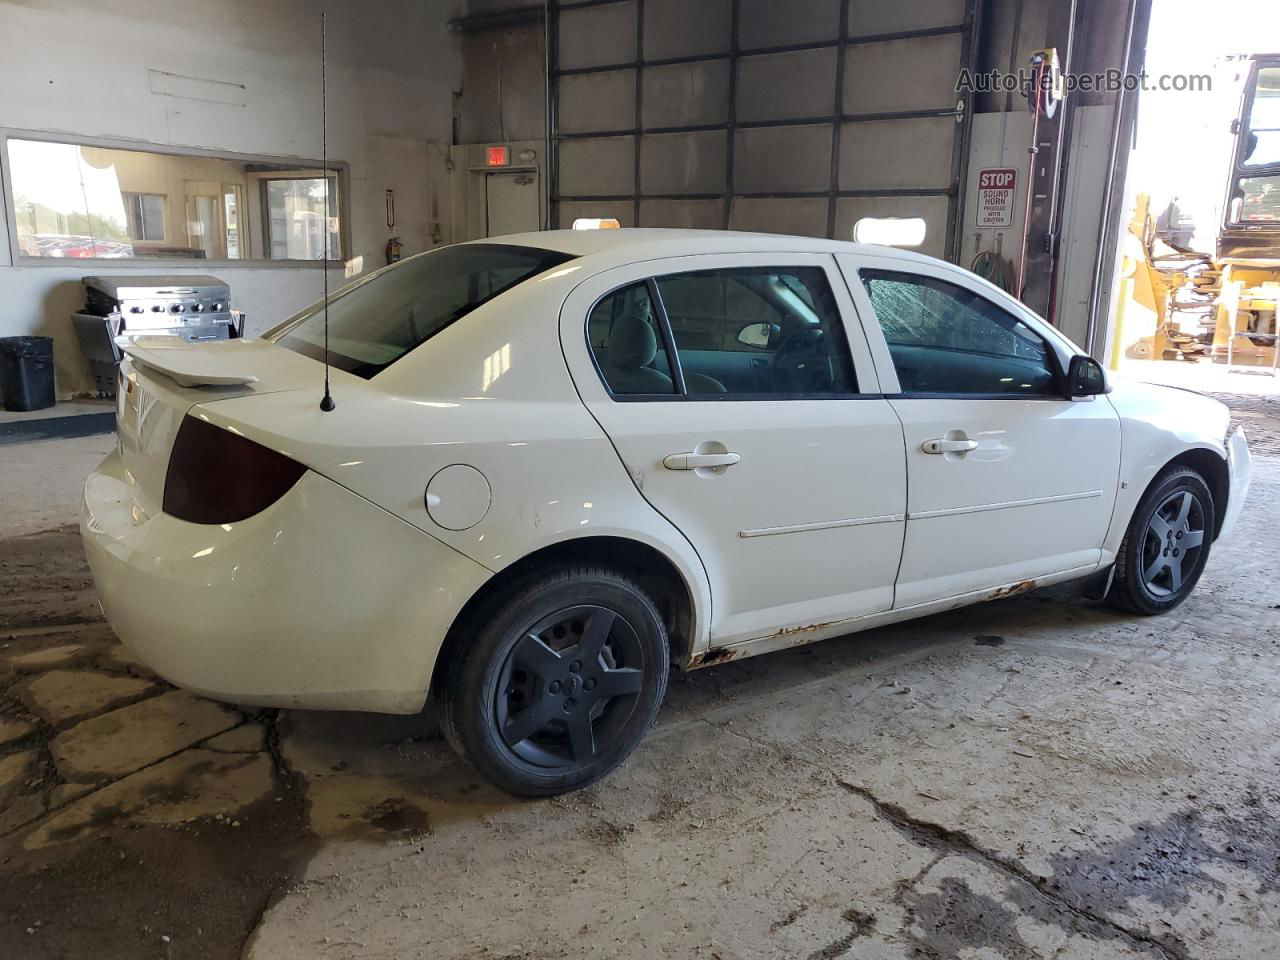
x,y
162,378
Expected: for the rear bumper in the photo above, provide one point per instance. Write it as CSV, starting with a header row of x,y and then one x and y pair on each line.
x,y
323,600
1239,468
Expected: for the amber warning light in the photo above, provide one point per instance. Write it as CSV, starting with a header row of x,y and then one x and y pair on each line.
x,y
497,157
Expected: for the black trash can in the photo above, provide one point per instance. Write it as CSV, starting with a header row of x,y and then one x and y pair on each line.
x,y
26,373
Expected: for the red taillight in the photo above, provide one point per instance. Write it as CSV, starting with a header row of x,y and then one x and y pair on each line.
x,y
216,476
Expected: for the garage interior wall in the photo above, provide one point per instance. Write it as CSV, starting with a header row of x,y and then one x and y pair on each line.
x,y
501,102
754,115
803,117
87,70
798,117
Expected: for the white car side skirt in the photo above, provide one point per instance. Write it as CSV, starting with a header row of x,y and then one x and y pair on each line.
x,y
810,633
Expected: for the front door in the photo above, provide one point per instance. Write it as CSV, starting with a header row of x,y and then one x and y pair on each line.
x,y
729,388
1008,481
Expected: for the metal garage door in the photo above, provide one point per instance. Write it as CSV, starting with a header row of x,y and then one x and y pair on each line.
x,y
797,117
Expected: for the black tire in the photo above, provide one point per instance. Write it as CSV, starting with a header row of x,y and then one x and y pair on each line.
x,y
1159,564
528,666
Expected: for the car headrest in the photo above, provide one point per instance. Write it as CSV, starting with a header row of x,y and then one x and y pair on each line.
x,y
632,342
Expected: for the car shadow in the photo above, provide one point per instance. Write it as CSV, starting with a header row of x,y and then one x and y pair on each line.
x,y
371,774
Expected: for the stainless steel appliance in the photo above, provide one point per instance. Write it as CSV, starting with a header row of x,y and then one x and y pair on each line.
x,y
192,307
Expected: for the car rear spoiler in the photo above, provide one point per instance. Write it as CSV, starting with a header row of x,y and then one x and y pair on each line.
x,y
187,364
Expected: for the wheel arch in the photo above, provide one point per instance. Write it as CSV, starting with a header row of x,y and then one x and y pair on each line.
x,y
647,565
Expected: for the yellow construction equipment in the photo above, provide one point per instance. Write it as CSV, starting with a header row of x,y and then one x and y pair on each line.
x,y
1176,303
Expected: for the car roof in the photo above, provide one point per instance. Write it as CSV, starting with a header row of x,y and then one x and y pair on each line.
x,y
645,243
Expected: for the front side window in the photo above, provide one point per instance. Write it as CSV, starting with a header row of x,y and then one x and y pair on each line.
x,y
377,320
758,331
946,339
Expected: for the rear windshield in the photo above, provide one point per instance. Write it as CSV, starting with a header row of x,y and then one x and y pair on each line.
x,y
375,322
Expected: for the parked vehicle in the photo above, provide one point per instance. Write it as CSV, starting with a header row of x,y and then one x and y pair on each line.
x,y
561,461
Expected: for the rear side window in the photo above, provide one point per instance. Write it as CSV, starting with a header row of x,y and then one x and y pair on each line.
x,y
376,321
746,332
758,330
627,343
946,339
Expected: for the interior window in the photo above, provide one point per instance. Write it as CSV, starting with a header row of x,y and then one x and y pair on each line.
x,y
627,343
79,200
945,339
758,330
146,216
302,216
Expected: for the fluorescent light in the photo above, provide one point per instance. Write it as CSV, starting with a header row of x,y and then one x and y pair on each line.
x,y
890,231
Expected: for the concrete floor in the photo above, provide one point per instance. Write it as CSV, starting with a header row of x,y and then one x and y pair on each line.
x,y
1034,778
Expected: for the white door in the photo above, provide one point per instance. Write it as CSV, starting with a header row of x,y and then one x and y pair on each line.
x,y
511,203
1008,481
204,219
729,388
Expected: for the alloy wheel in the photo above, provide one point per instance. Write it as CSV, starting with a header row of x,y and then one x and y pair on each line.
x,y
1173,542
568,687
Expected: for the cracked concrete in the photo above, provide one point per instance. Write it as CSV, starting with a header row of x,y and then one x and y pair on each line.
x,y
61,696
1034,778
117,743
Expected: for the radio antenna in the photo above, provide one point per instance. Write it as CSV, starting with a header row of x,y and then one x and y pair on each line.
x,y
326,402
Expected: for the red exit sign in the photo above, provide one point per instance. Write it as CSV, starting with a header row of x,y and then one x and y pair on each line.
x,y
497,156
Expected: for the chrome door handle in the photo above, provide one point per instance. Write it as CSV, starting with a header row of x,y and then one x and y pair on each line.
x,y
948,446
695,461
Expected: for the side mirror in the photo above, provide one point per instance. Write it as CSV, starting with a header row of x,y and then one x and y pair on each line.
x,y
756,335
1085,378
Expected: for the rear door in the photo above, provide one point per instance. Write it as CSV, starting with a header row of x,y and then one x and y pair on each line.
x,y
747,412
1008,481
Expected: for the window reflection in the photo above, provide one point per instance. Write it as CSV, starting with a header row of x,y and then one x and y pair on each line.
x,y
298,220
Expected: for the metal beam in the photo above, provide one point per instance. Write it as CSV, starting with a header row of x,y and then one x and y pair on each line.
x,y
519,17
763,51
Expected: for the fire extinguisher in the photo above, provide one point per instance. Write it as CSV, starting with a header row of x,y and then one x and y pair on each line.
x,y
393,250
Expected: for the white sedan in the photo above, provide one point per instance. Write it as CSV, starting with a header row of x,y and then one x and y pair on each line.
x,y
559,462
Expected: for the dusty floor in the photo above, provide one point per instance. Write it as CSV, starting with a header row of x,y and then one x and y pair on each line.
x,y
1034,778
